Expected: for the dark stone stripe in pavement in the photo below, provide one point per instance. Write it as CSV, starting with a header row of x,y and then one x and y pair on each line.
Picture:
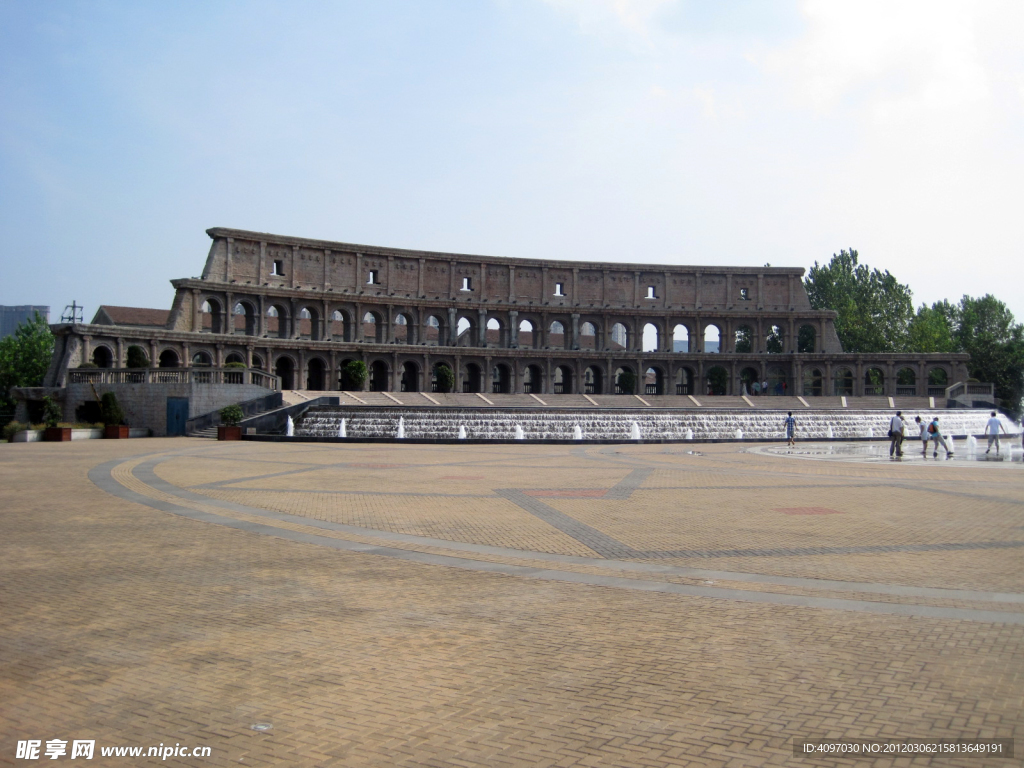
x,y
600,542
625,487
800,551
101,476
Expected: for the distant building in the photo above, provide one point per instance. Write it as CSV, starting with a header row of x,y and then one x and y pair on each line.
x,y
12,317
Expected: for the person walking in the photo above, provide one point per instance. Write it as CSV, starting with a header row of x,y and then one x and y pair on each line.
x,y
791,430
757,388
992,432
923,429
935,432
764,387
896,436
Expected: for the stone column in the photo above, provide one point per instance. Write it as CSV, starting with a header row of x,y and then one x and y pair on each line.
x,y
419,284
453,328
513,327
575,322
481,327
197,320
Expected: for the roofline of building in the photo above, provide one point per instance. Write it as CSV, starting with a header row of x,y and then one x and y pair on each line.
x,y
377,250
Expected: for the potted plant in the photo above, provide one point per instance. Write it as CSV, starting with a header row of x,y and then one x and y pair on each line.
x,y
230,418
51,417
114,427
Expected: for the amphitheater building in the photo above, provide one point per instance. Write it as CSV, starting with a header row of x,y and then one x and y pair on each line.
x,y
294,311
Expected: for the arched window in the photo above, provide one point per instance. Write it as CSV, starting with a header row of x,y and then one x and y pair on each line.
x,y
464,329
527,335
774,342
712,339
806,339
717,381
400,332
652,338
813,382
588,336
592,380
562,383
842,380
496,336
620,336
680,338
906,382
744,341
874,381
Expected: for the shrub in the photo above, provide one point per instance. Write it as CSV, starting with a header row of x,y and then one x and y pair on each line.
x,y
51,412
231,416
136,357
11,427
627,382
112,415
234,364
445,378
88,365
353,375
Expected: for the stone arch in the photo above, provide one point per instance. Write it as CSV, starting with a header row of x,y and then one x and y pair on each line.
x,y
316,374
685,380
775,340
169,358
528,336
681,338
284,369
807,339
588,336
557,336
465,331
212,315
471,379
496,332
340,325
654,380
874,381
202,359
593,380
651,337
619,337
435,330
619,379
716,379
813,383
372,327
778,381
743,341
234,357
561,380
748,377
277,321
401,331
712,337
245,318
938,380
906,381
501,379
378,376
103,356
842,382
310,326
533,379
257,362
434,383
410,377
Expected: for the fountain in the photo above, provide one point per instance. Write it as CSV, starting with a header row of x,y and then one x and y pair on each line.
x,y
462,432
611,424
972,445
289,429
739,434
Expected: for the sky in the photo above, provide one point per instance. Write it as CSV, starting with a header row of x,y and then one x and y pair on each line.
x,y
652,131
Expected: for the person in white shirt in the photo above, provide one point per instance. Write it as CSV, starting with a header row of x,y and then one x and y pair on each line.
x,y
896,435
992,432
923,427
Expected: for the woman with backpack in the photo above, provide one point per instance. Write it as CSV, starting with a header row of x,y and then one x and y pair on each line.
x,y
936,436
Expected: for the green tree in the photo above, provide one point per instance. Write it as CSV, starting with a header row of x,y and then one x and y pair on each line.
x,y
932,328
445,378
987,331
136,357
627,382
874,309
353,375
25,356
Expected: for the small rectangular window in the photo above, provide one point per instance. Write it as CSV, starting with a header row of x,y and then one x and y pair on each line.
x,y
467,284
278,269
650,292
373,278
559,289
744,294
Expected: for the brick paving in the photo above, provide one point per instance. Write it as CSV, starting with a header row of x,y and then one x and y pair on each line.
x,y
502,605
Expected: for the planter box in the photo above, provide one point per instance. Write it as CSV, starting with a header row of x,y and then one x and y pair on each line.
x,y
57,434
229,433
115,432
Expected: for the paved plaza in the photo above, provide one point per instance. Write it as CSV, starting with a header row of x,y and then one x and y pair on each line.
x,y
505,605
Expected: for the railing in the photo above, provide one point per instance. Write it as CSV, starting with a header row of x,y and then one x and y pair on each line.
x,y
496,388
651,389
589,389
936,391
907,390
682,389
559,389
873,389
174,376
962,390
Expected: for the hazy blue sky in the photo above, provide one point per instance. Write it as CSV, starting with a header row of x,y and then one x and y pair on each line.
x,y
614,130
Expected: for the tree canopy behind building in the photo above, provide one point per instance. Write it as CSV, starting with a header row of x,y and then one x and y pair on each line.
x,y
24,357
